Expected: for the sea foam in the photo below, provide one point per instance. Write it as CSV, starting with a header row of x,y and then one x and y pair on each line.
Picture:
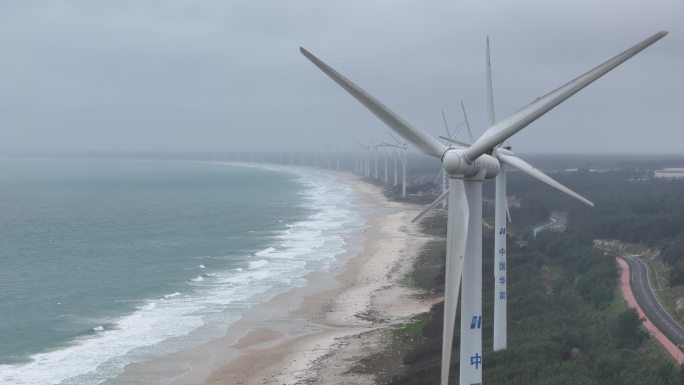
x,y
258,264
155,327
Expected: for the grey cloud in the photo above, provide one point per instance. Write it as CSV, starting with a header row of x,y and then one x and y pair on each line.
x,y
219,75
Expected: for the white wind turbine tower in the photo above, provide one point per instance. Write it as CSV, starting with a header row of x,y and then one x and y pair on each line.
x,y
396,157
385,152
385,159
401,152
360,158
375,161
395,150
366,159
467,168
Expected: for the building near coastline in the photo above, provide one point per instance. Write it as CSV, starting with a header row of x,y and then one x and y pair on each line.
x,y
670,173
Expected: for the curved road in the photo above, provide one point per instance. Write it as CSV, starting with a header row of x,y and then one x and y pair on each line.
x,y
555,220
537,230
655,312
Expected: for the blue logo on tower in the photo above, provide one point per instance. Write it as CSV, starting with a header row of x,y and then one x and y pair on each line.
x,y
476,322
476,360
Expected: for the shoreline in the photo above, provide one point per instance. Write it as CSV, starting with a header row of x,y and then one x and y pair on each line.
x,y
316,331
343,322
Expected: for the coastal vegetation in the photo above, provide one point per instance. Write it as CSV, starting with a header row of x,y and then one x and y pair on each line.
x,y
567,321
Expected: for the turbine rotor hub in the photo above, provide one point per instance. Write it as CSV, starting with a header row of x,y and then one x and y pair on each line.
x,y
457,165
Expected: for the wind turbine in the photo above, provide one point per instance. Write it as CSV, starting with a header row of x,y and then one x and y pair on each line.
x,y
360,163
401,152
467,167
366,158
505,157
385,152
394,148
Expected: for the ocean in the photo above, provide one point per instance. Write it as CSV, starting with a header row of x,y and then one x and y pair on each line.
x,y
108,262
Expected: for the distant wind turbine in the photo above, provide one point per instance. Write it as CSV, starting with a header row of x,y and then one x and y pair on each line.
x,y
401,154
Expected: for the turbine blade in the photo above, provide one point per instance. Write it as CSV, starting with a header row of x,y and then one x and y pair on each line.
x,y
439,176
467,123
431,206
418,137
394,137
457,130
464,144
530,170
446,126
508,212
392,145
490,92
457,232
505,128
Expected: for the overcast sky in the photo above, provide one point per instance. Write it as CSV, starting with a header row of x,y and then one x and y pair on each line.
x,y
228,75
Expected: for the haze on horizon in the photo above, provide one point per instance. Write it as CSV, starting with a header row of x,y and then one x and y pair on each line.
x,y
226,76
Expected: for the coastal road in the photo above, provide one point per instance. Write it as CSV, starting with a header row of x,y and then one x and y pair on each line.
x,y
655,312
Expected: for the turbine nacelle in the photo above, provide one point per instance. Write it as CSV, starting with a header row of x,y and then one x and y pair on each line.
x,y
456,165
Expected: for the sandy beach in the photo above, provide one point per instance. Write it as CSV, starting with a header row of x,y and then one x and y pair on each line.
x,y
315,334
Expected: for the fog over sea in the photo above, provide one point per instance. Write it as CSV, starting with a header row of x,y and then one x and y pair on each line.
x,y
108,262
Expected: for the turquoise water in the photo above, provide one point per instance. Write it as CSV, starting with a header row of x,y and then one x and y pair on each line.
x,y
107,262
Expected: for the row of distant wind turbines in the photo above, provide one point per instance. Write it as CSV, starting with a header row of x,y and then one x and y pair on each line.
x,y
361,154
466,165
289,158
396,150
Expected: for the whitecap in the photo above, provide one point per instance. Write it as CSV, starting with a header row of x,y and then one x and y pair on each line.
x,y
265,252
258,264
